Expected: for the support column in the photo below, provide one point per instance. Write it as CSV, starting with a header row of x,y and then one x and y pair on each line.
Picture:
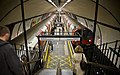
x,y
25,37
95,21
39,51
94,30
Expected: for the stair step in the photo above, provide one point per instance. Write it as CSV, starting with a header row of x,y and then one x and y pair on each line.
x,y
53,72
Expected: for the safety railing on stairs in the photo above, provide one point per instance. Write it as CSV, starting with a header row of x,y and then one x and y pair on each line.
x,y
33,54
45,54
20,50
105,58
42,59
110,51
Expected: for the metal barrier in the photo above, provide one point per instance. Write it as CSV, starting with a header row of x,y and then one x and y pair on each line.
x,y
110,51
105,58
103,69
20,51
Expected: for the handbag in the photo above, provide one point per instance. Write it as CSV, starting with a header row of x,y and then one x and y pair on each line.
x,y
83,64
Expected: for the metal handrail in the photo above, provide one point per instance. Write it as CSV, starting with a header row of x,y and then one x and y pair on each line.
x,y
109,42
104,66
46,50
30,62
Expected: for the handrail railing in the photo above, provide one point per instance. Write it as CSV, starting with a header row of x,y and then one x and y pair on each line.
x,y
71,51
46,50
30,62
107,55
20,50
104,66
109,50
109,42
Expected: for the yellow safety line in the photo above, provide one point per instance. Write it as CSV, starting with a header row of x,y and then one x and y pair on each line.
x,y
46,54
49,58
62,60
70,61
52,64
65,63
70,49
71,53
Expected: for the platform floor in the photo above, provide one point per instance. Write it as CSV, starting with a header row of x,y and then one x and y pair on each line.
x,y
59,55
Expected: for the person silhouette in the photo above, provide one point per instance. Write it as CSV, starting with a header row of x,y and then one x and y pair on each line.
x,y
9,61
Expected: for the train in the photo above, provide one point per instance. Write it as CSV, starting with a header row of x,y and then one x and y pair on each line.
x,y
86,37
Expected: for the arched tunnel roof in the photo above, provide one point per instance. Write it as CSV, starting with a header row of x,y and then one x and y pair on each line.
x,y
85,8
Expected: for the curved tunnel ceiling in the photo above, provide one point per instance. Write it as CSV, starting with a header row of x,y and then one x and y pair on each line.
x,y
84,8
31,8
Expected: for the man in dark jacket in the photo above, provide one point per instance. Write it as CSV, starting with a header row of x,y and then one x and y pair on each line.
x,y
9,62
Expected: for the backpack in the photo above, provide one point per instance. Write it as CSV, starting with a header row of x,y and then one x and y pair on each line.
x,y
83,64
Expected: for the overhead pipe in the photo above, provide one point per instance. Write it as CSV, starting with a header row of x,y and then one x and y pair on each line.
x,y
40,52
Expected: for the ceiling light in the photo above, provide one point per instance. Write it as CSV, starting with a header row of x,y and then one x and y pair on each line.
x,y
68,1
50,0
52,3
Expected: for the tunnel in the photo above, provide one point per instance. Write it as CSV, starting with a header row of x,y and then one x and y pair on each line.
x,y
48,33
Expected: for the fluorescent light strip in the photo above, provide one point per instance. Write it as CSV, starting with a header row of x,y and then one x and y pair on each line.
x,y
52,3
66,3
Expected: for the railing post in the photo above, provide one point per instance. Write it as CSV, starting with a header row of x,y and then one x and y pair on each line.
x,y
104,59
95,21
115,50
39,51
100,46
110,56
102,55
117,57
25,37
94,30
81,37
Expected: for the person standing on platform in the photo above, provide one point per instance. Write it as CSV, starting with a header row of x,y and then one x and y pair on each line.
x,y
9,62
62,30
51,45
77,59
